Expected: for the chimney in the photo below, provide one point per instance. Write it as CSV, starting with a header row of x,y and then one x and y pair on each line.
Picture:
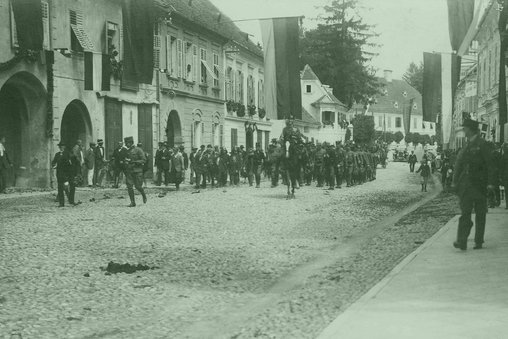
x,y
388,75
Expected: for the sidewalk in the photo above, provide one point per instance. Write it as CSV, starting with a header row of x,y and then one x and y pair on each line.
x,y
437,292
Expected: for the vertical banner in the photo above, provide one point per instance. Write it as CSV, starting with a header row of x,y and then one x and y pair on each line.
x,y
282,67
106,72
28,19
447,96
407,116
88,71
431,95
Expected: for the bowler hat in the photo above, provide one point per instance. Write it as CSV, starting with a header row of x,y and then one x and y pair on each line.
x,y
471,124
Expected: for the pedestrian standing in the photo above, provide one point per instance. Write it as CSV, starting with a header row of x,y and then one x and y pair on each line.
x,y
134,161
67,167
234,167
185,162
158,164
5,165
177,167
167,154
90,164
77,152
118,160
473,179
192,158
504,171
259,158
98,175
425,174
146,165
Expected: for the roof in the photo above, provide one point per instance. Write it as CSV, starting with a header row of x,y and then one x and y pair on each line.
x,y
308,74
308,118
394,97
206,15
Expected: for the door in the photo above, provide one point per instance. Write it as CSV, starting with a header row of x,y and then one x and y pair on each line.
x,y
113,128
145,133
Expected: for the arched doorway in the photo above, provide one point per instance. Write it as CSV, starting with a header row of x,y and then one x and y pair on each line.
x,y
76,124
174,129
23,123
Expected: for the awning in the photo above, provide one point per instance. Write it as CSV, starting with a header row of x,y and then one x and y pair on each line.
x,y
209,69
83,39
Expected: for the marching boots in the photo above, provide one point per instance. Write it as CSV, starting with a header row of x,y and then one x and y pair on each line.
x,y
131,196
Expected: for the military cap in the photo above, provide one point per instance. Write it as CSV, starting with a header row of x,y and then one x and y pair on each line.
x,y
209,146
128,139
100,141
471,124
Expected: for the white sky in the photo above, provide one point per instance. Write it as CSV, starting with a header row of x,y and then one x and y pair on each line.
x,y
407,28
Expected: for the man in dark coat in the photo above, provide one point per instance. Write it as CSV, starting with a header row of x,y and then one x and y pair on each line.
x,y
158,163
412,161
119,154
134,162
504,171
185,161
192,164
98,174
167,154
67,167
5,165
473,179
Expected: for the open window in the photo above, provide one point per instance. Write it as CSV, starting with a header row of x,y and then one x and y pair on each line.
x,y
328,117
79,39
113,40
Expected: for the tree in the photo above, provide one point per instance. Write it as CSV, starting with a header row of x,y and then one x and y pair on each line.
x,y
389,137
409,137
414,76
347,137
426,139
336,51
417,138
398,136
364,129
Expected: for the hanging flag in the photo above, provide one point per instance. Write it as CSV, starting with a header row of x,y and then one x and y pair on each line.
x,y
138,21
407,116
460,16
28,20
106,72
283,96
431,96
88,71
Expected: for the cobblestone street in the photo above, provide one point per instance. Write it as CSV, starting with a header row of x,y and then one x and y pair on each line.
x,y
225,263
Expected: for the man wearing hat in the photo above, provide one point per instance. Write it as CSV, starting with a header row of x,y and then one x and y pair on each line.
x,y
134,161
158,163
192,164
90,164
473,178
99,163
167,154
67,167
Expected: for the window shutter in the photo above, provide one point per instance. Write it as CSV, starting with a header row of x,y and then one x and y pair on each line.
x,y
45,25
14,32
169,63
179,52
195,64
120,48
156,47
192,135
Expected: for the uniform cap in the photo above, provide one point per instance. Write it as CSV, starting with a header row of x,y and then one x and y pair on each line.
x,y
471,124
100,141
128,139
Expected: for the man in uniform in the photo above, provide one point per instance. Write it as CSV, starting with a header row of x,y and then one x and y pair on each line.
x,y
185,161
412,161
259,158
192,164
134,161
67,167
339,169
319,165
349,163
473,178
330,163
276,159
167,154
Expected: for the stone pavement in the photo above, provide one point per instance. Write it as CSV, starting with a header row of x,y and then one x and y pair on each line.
x,y
437,292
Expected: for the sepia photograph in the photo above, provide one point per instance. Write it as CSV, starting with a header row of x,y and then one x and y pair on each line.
x,y
253,169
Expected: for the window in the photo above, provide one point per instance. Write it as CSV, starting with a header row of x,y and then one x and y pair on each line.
x,y
221,139
229,84
113,39
389,122
204,78
234,137
46,44
261,94
156,46
171,58
216,69
189,61
250,90
431,126
79,38
14,32
398,122
415,123
195,63
260,138
380,121
308,89
179,55
239,87
328,117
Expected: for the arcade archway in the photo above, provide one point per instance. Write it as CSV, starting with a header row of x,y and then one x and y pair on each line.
x,y
174,129
23,123
76,124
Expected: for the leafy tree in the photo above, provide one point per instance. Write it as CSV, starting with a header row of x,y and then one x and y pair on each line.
x,y
389,137
364,128
398,136
409,137
336,51
426,139
347,137
414,76
417,138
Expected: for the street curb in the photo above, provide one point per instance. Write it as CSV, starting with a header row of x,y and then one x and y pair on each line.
x,y
374,291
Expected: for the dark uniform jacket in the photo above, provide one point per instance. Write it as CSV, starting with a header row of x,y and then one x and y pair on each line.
x,y
99,156
158,158
166,159
66,166
135,159
474,167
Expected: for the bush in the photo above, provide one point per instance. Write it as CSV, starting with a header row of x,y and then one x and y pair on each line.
x,y
364,129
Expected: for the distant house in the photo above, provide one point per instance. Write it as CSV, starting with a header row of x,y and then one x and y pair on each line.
x,y
324,117
396,97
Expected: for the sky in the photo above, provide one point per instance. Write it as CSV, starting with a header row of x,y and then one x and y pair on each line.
x,y
407,28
